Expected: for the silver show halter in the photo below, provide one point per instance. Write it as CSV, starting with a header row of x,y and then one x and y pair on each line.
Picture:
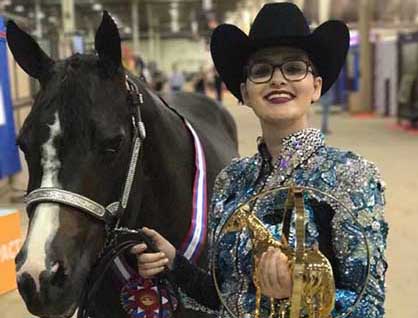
x,y
115,210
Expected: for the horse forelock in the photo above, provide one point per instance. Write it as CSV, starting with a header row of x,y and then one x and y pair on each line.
x,y
78,89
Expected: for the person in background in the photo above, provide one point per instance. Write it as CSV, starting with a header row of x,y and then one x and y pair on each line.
x,y
142,69
200,81
326,103
176,80
158,80
218,85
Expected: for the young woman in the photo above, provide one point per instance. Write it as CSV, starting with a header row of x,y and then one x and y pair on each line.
x,y
279,70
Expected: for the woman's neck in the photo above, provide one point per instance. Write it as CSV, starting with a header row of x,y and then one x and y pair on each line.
x,y
273,134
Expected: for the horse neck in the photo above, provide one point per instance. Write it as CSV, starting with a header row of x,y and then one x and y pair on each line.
x,y
164,185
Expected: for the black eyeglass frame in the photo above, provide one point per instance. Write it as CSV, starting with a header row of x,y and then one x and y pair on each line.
x,y
309,69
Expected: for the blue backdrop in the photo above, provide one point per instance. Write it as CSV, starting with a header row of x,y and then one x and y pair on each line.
x,y
9,155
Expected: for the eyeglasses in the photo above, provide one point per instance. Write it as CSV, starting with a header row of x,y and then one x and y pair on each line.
x,y
292,71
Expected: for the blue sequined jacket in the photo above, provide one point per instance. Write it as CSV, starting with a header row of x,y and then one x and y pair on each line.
x,y
354,242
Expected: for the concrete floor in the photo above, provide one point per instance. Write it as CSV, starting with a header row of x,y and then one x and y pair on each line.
x,y
396,154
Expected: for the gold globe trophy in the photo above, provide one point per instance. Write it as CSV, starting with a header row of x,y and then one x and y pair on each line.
x,y
313,292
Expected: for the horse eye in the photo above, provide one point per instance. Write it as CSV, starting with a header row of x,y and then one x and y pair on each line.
x,y
113,145
111,150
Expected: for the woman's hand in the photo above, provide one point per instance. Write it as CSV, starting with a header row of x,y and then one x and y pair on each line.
x,y
151,264
274,274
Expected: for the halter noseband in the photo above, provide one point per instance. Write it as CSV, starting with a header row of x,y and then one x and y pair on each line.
x,y
114,211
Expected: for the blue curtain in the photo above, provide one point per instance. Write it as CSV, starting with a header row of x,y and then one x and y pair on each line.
x,y
9,155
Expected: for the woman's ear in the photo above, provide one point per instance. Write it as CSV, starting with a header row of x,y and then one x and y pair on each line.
x,y
317,89
244,94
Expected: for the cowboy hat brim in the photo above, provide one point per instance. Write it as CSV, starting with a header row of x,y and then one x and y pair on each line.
x,y
327,48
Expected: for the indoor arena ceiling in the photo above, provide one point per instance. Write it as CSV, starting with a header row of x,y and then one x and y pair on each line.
x,y
88,14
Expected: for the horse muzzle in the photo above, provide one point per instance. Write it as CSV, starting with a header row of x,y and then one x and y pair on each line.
x,y
51,297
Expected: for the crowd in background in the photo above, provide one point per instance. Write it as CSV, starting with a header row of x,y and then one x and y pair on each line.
x,y
204,81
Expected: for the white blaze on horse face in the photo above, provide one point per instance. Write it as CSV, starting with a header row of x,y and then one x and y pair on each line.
x,y
45,220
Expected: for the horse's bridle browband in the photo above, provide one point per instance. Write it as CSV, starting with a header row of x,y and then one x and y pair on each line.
x,y
115,210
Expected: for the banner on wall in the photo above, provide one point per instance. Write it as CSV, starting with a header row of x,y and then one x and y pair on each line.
x,y
9,155
2,114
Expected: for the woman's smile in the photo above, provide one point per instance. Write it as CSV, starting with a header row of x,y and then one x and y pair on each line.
x,y
279,97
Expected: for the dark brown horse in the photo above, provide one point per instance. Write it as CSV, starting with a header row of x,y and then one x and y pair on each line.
x,y
78,138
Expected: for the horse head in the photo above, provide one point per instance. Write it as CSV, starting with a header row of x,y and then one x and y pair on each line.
x,y
77,137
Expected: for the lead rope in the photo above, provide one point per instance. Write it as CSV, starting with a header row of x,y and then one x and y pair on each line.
x,y
124,239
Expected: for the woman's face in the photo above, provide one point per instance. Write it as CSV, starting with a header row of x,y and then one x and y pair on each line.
x,y
280,101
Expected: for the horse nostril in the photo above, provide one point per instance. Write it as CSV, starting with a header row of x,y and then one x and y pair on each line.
x,y
26,286
55,267
57,274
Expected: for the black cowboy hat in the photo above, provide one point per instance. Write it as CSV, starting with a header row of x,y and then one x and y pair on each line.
x,y
279,24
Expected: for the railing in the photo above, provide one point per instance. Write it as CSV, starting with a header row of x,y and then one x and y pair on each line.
x,y
22,103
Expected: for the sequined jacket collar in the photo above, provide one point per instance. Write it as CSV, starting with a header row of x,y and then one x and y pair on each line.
x,y
296,148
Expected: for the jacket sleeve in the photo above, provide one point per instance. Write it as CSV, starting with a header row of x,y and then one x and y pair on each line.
x,y
361,267
196,286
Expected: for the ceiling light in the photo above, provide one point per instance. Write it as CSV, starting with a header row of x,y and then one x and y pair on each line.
x,y
41,15
97,7
174,14
207,5
19,8
52,19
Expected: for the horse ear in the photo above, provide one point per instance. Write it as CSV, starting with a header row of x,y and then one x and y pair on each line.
x,y
27,53
107,42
